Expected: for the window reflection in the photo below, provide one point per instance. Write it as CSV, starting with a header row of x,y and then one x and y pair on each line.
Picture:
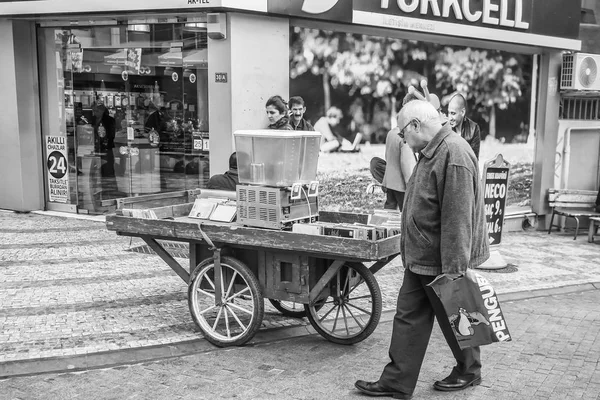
x,y
134,108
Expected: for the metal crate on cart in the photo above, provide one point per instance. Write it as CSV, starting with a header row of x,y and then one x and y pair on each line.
x,y
273,208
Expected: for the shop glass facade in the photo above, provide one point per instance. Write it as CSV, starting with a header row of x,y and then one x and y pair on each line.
x,y
124,111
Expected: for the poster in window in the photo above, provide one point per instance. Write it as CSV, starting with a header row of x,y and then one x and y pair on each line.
x,y
58,169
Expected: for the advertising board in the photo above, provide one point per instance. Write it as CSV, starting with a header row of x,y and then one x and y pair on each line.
x,y
58,169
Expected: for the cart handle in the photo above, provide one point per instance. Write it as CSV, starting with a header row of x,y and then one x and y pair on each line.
x,y
206,238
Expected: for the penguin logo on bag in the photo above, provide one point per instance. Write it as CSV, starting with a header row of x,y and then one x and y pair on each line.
x,y
463,322
318,6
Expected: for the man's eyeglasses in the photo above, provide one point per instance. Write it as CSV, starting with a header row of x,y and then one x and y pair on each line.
x,y
401,133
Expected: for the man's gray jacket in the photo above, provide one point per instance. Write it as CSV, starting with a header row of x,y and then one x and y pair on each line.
x,y
443,221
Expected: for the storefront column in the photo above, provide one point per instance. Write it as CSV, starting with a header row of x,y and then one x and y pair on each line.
x,y
546,133
21,164
252,77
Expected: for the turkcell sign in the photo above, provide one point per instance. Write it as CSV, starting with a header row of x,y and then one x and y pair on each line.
x,y
546,23
506,13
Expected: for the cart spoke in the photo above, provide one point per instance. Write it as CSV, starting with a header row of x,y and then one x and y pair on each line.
x,y
214,327
210,282
226,322
338,284
345,320
360,309
233,314
353,317
240,308
230,284
238,294
347,283
360,282
321,303
326,314
335,320
366,296
207,310
204,292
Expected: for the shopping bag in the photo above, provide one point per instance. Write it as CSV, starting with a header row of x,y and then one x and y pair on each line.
x,y
472,308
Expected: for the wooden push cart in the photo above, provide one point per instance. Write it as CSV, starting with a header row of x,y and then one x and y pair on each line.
x,y
233,268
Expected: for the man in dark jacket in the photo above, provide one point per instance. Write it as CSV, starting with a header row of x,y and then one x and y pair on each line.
x,y
228,180
443,232
298,108
468,129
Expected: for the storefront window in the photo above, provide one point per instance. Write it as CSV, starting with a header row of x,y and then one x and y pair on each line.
x,y
132,103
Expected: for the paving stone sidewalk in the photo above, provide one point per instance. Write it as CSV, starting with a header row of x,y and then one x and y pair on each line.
x,y
554,355
70,287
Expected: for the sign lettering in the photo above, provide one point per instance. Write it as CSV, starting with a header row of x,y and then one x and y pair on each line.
x,y
508,13
494,199
493,309
221,77
58,169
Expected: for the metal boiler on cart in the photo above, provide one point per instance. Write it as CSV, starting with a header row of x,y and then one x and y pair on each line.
x,y
277,172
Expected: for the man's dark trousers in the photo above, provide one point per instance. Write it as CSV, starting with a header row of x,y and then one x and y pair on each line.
x,y
413,323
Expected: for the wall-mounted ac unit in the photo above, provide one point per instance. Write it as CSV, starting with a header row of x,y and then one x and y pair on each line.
x,y
580,72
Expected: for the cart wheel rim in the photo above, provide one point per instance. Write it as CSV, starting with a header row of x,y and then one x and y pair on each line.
x,y
351,310
289,308
229,317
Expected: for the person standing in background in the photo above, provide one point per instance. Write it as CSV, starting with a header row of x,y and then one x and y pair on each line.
x,y
298,108
467,128
104,132
400,162
277,113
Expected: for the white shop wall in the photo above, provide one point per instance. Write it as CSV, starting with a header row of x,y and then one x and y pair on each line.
x,y
255,58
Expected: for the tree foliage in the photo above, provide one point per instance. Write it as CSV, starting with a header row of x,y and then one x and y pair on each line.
x,y
381,67
488,78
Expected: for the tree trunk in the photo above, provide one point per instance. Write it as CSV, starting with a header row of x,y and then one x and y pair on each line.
x,y
326,91
492,131
393,122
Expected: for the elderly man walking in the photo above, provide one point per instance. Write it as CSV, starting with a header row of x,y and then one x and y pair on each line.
x,y
443,232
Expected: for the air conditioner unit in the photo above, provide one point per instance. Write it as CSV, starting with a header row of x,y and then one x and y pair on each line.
x,y
580,72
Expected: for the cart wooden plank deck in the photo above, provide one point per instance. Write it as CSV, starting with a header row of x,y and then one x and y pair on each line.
x,y
233,268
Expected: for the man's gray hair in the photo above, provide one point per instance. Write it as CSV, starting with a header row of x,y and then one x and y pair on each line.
x,y
422,110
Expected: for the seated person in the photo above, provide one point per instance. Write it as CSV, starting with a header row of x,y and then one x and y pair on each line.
x,y
228,180
331,140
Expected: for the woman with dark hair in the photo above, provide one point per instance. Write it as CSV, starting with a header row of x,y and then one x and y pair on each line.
x,y
277,113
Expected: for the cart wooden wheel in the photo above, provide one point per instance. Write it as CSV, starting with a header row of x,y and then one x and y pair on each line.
x,y
233,317
349,307
289,308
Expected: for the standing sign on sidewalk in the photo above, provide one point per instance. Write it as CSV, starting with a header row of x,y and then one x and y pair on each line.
x,y
495,175
58,169
495,189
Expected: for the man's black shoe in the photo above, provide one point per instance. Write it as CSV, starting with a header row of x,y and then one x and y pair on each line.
x,y
375,389
451,383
